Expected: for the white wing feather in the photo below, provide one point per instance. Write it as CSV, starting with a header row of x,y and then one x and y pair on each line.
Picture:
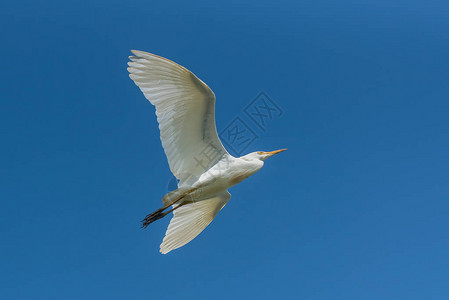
x,y
190,219
185,109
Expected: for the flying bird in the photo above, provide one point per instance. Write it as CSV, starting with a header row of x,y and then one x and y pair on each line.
x,y
185,110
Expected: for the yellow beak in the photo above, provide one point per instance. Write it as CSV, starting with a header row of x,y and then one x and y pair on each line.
x,y
275,152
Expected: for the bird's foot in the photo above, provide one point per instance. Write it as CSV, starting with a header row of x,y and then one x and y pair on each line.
x,y
154,216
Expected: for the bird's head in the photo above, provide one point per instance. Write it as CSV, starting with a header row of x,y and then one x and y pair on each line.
x,y
263,155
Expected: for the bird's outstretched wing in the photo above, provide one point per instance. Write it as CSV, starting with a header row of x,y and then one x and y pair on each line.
x,y
185,109
190,219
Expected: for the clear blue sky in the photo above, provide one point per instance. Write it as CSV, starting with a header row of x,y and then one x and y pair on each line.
x,y
357,208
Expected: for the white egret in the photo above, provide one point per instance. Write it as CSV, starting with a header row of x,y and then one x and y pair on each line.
x,y
185,110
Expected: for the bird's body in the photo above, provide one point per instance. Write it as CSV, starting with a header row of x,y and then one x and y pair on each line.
x,y
185,109
226,173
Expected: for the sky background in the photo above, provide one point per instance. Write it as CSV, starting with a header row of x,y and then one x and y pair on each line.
x,y
357,208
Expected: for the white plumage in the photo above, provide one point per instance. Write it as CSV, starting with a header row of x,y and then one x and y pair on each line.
x,y
185,109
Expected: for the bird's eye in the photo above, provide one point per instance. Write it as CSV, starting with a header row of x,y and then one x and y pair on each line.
x,y
259,152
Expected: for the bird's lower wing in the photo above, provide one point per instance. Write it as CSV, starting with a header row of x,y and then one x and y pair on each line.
x,y
190,219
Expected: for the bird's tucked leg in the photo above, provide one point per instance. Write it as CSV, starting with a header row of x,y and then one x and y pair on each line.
x,y
176,195
160,213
